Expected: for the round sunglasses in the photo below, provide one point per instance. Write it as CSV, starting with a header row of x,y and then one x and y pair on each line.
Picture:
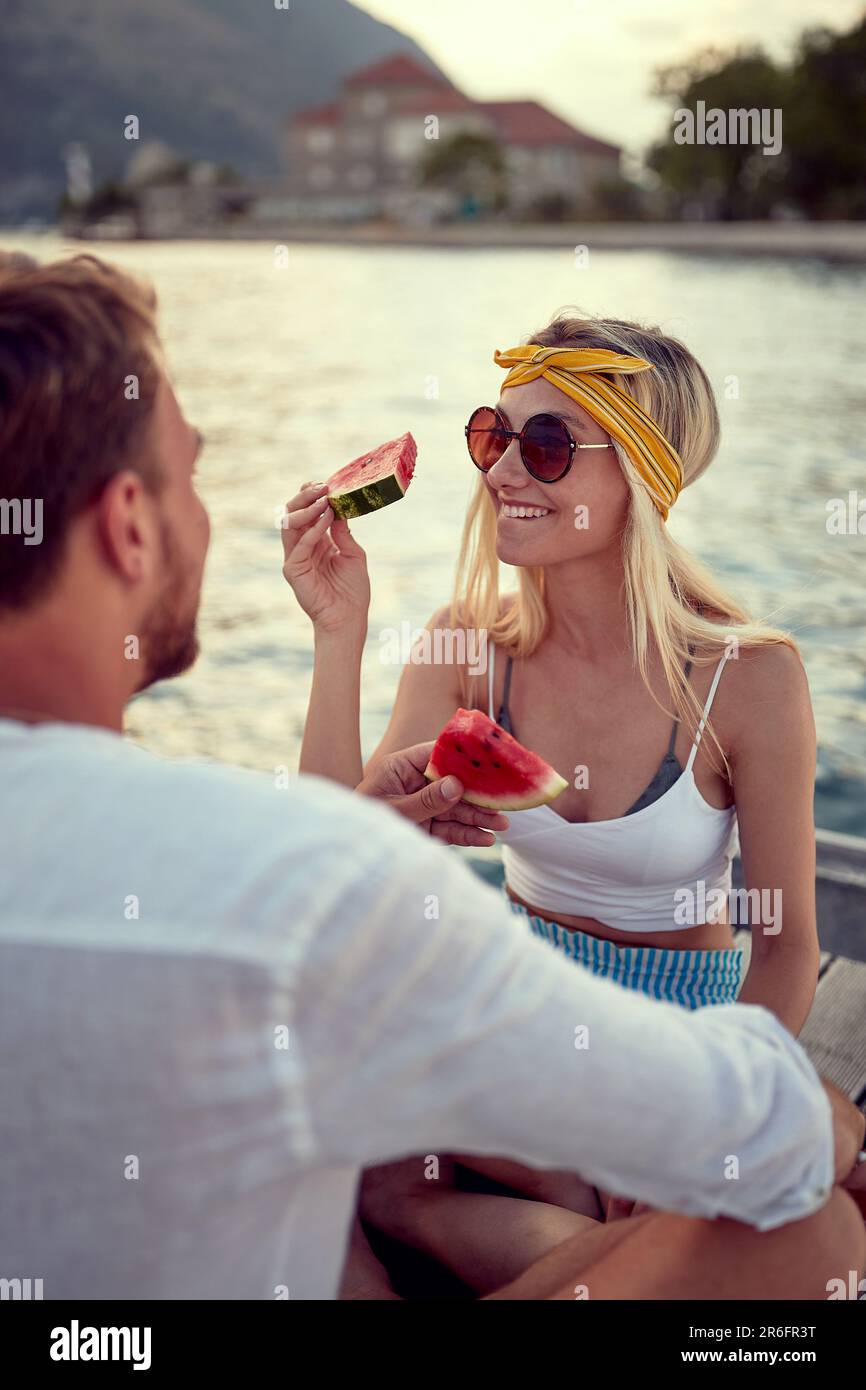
x,y
546,444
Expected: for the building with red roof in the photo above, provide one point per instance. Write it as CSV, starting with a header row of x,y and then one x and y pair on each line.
x,y
362,153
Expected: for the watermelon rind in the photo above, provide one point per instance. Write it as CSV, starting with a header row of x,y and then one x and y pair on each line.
x,y
367,499
540,796
355,494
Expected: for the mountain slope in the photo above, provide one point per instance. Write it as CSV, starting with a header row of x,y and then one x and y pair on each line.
x,y
213,79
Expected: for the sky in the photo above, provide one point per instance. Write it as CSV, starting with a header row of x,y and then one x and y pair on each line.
x,y
592,61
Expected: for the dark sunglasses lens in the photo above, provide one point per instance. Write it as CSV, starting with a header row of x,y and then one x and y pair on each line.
x,y
546,447
486,437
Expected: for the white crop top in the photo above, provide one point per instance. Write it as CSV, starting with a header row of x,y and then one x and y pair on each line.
x,y
652,870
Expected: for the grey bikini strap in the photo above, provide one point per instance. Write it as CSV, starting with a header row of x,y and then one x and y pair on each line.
x,y
506,689
504,718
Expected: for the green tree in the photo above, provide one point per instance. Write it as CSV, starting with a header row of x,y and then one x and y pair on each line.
x,y
821,170
471,166
728,180
825,124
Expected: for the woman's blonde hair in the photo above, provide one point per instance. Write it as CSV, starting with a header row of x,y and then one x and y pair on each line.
x,y
672,600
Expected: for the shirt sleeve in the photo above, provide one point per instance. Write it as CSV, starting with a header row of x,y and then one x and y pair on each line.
x,y
432,1021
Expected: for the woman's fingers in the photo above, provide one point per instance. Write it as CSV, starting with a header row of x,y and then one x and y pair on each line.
x,y
299,544
298,507
300,516
307,494
302,520
344,540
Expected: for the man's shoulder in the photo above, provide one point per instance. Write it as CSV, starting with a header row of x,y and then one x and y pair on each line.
x,y
296,808
173,801
274,799
241,836
314,848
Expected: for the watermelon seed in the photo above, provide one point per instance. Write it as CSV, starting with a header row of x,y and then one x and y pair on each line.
x,y
475,762
497,764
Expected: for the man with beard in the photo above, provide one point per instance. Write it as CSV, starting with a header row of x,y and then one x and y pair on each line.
x,y
219,1000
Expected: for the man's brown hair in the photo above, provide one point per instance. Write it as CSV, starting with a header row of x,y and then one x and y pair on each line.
x,y
79,371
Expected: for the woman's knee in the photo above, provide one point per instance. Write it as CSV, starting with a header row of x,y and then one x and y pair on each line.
x,y
390,1193
798,1260
665,1255
837,1250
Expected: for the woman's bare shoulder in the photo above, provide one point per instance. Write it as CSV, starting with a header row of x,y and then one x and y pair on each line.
x,y
763,693
757,669
754,667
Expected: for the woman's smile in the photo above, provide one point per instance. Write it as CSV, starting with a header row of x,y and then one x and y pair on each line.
x,y
513,511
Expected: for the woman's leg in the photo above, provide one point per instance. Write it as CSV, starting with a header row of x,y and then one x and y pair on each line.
x,y
485,1240
660,1255
558,1188
364,1277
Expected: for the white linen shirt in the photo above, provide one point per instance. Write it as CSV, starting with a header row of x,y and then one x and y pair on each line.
x,y
220,999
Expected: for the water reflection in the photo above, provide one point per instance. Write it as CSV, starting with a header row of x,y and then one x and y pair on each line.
x,y
292,372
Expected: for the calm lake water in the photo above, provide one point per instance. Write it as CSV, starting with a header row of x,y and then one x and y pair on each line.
x,y
291,372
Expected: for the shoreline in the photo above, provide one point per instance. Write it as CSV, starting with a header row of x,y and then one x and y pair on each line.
x,y
839,242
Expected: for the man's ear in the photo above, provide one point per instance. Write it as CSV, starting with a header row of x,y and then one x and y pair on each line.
x,y
128,528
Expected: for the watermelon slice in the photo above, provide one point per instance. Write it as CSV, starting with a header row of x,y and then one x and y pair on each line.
x,y
373,480
497,771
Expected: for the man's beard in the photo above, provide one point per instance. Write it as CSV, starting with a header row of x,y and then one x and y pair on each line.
x,y
169,641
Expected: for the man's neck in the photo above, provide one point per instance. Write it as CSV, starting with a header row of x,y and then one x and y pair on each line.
x,y
49,673
56,712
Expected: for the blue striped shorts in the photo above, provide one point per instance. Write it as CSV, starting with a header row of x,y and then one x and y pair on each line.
x,y
692,979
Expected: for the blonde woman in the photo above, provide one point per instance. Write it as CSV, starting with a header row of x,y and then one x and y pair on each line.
x,y
675,719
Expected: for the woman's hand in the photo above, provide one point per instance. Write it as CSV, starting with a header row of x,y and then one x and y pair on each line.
x,y
436,807
324,563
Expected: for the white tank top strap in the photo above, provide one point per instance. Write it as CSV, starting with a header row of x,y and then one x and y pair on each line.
x,y
491,667
707,708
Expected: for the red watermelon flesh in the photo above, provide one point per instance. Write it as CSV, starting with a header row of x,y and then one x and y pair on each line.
x,y
373,480
497,771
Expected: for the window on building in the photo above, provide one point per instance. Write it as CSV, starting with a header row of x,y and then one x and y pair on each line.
x,y
360,176
361,141
320,140
321,176
404,139
374,103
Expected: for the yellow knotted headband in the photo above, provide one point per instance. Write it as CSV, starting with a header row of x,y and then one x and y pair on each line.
x,y
577,372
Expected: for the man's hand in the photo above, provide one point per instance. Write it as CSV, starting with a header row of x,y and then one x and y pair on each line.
x,y
436,807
